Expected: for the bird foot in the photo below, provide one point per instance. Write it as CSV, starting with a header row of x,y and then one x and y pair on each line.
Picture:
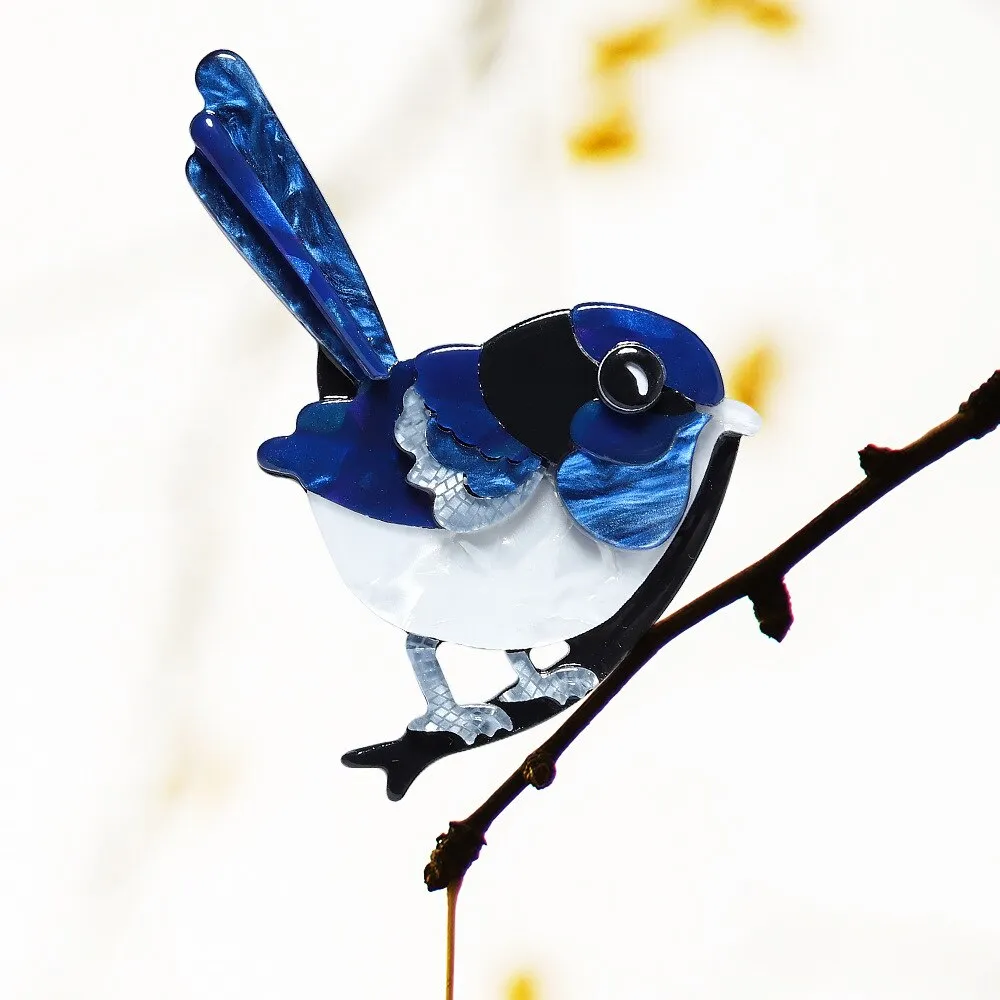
x,y
560,685
467,721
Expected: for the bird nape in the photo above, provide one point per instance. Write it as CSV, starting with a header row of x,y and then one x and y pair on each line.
x,y
555,483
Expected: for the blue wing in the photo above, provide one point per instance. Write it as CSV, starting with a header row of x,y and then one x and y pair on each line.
x,y
631,506
448,381
372,455
486,477
253,181
462,433
456,507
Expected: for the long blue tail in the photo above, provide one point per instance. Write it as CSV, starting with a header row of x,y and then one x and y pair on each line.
x,y
253,181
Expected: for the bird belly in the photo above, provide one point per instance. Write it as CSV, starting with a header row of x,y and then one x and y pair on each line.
x,y
534,579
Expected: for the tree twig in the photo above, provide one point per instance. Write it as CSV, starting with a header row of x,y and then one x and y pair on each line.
x,y
763,583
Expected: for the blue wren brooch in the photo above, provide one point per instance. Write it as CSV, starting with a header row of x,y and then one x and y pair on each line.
x,y
554,484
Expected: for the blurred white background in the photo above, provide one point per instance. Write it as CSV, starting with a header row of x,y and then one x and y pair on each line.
x,y
182,668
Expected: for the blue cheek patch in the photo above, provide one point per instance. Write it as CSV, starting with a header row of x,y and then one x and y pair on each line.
x,y
631,439
689,365
631,506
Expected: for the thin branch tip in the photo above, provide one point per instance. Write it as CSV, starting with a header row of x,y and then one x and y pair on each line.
x,y
982,408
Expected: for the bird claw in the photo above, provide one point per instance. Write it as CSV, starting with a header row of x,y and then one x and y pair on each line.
x,y
467,721
561,685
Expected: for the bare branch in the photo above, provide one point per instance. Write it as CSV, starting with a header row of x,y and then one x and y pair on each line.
x,y
763,583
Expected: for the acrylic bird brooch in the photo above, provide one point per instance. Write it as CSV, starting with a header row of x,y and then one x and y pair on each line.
x,y
555,483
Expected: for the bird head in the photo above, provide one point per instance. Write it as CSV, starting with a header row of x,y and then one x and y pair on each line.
x,y
610,379
614,397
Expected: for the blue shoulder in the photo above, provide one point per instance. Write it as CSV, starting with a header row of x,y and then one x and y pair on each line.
x,y
448,383
462,433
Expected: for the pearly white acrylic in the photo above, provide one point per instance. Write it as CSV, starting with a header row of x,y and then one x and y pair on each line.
x,y
536,578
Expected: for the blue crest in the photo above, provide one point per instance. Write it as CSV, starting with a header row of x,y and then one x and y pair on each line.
x,y
689,365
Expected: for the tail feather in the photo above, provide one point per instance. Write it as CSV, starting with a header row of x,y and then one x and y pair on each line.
x,y
252,180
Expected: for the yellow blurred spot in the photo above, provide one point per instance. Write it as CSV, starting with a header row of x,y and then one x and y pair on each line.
x,y
754,376
609,138
616,50
771,15
611,132
523,986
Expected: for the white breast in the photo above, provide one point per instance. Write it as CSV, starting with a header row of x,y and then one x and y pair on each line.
x,y
534,579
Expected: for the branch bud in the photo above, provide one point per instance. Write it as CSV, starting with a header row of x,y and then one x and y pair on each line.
x,y
772,607
452,856
539,769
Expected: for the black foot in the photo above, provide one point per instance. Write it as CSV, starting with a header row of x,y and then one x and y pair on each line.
x,y
404,759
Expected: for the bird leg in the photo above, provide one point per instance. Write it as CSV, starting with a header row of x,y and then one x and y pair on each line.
x,y
443,714
560,685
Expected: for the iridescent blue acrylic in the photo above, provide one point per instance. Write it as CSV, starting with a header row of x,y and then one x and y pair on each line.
x,y
254,182
688,363
632,506
216,145
633,439
555,483
344,452
448,381
486,477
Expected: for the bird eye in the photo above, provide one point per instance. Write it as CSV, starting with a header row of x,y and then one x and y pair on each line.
x,y
630,378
